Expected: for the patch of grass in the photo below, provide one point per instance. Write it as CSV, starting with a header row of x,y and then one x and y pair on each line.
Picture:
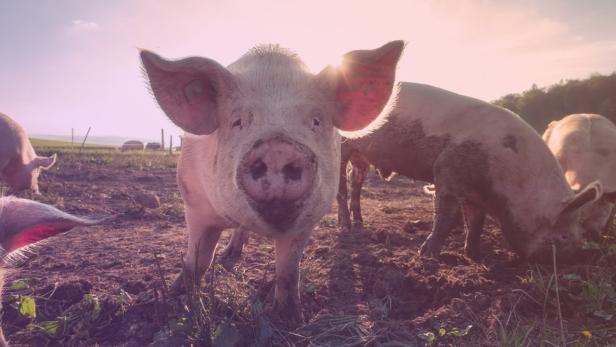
x,y
63,145
112,158
587,295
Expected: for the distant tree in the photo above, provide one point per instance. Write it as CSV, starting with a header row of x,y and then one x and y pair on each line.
x,y
540,106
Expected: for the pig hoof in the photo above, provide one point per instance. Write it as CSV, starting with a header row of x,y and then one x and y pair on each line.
x,y
430,248
179,285
345,227
229,257
358,224
289,316
473,254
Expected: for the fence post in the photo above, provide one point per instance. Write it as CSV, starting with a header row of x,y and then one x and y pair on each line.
x,y
84,140
162,139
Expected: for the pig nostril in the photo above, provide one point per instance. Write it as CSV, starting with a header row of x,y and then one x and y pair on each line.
x,y
292,172
258,169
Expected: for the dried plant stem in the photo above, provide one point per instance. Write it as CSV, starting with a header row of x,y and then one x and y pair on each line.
x,y
560,314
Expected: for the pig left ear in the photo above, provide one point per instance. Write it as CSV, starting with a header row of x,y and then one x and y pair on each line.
x,y
45,163
591,193
24,222
363,84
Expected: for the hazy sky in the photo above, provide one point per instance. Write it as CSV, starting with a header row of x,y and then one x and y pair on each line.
x,y
72,63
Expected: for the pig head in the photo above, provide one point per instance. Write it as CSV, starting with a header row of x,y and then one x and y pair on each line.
x,y
585,147
262,149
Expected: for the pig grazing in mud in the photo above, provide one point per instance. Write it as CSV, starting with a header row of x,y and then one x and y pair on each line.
x,y
482,159
585,147
262,149
19,164
25,222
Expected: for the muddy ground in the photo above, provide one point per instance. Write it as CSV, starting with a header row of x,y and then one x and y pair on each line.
x,y
106,285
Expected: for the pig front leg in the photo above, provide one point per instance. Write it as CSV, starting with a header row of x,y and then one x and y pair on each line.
x,y
358,177
232,253
286,296
446,206
203,235
474,217
344,217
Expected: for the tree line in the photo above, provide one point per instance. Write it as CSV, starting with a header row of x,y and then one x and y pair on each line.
x,y
540,106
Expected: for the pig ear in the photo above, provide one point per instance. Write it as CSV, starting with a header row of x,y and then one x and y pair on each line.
x,y
188,90
45,163
24,222
591,193
363,84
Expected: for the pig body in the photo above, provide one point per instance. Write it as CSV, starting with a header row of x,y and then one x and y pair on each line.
x,y
25,222
19,164
481,158
261,150
585,147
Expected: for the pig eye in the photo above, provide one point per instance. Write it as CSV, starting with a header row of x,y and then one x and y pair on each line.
x,y
237,123
316,122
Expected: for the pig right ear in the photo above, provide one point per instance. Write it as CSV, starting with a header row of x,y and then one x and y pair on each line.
x,y
363,84
188,90
24,222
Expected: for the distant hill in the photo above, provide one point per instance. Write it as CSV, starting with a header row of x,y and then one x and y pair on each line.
x,y
540,106
92,140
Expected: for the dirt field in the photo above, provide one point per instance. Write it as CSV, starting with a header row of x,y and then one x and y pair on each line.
x,y
107,285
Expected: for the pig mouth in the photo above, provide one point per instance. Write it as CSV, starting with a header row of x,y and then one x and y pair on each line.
x,y
279,214
277,176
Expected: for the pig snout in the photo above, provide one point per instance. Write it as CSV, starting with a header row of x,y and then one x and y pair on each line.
x,y
277,174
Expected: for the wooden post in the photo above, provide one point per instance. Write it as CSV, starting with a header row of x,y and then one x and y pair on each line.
x,y
72,138
84,140
162,139
170,144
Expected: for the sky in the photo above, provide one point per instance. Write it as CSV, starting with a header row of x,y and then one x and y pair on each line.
x,y
74,64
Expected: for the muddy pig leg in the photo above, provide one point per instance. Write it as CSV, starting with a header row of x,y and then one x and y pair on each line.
x,y
344,217
202,240
358,177
232,253
474,217
286,296
445,207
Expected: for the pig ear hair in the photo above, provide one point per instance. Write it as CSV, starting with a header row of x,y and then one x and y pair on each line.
x,y
45,163
24,222
188,90
363,84
591,193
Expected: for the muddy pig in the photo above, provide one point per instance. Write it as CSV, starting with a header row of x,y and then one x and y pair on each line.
x,y
25,222
482,159
19,164
262,149
585,147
